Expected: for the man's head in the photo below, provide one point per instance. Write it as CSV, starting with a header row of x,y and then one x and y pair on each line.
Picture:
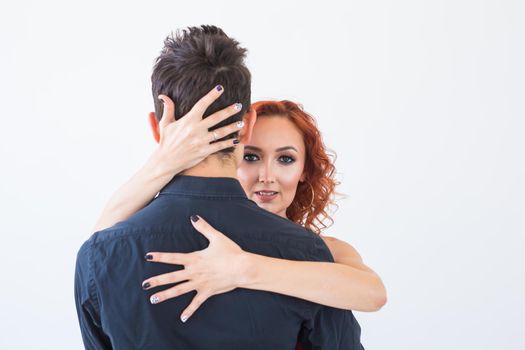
x,y
195,60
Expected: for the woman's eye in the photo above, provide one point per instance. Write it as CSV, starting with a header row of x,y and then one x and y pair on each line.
x,y
250,157
286,159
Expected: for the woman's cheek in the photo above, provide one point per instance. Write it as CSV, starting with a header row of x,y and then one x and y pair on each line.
x,y
248,177
289,179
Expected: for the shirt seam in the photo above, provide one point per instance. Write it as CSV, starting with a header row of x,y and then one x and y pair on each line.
x,y
92,288
201,195
159,231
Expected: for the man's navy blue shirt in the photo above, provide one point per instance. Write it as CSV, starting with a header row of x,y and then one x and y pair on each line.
x,y
115,312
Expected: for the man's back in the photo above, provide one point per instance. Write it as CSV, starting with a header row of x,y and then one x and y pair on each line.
x,y
115,312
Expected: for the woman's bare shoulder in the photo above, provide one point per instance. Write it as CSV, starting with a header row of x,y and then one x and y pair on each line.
x,y
344,253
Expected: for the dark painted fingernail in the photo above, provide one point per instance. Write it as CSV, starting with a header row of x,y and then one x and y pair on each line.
x,y
194,218
146,285
236,141
148,257
219,87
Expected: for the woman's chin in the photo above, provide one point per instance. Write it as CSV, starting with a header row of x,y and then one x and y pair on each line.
x,y
266,206
272,208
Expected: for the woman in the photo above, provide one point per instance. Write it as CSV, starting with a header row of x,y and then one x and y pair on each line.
x,y
286,171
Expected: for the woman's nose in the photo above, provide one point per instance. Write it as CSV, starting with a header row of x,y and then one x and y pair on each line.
x,y
266,174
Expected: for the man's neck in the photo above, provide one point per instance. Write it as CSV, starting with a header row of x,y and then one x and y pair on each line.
x,y
213,166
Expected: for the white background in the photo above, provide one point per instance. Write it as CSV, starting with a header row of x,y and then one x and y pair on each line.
x,y
423,101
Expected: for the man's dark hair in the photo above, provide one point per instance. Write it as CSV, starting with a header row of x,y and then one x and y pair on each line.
x,y
195,60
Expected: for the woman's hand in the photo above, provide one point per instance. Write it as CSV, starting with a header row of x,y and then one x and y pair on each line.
x,y
186,142
217,269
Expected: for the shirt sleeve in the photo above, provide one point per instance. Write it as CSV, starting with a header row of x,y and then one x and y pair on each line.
x,y
88,312
331,328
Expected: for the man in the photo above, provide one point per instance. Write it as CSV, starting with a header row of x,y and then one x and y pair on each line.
x,y
114,311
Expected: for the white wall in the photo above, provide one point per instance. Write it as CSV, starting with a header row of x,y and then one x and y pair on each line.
x,y
422,100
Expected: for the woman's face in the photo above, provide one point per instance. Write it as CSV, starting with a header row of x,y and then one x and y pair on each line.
x,y
273,163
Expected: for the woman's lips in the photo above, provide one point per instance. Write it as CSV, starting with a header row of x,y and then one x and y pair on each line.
x,y
266,196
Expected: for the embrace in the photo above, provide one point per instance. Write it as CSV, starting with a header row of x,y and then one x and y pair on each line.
x,y
216,242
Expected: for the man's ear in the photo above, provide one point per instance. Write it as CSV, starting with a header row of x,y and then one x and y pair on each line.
x,y
154,124
245,135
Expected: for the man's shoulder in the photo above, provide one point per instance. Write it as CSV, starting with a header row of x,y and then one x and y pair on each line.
x,y
279,230
118,231
286,226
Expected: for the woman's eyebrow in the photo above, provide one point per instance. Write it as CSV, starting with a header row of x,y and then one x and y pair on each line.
x,y
286,148
253,148
280,149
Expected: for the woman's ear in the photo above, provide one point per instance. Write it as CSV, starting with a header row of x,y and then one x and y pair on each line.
x,y
245,135
154,124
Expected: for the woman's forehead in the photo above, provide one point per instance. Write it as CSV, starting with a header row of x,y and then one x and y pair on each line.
x,y
273,132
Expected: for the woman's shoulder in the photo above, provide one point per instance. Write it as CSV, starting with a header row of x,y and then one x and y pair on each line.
x,y
341,250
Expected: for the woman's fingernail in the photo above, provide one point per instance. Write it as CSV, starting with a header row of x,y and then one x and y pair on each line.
x,y
148,257
236,141
146,285
184,318
240,124
154,299
194,218
237,106
161,100
218,88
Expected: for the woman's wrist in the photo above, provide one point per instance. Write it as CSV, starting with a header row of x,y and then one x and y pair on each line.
x,y
157,167
247,273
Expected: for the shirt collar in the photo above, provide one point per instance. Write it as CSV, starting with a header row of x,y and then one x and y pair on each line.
x,y
199,186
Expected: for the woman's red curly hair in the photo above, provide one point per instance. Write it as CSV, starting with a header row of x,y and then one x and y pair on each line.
x,y
316,193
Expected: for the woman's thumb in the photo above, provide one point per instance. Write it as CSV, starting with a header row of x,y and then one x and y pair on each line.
x,y
168,111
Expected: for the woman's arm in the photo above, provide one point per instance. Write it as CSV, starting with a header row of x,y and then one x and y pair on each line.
x,y
224,266
347,284
136,192
182,144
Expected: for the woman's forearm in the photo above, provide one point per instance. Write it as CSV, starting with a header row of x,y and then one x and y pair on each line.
x,y
325,283
135,193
